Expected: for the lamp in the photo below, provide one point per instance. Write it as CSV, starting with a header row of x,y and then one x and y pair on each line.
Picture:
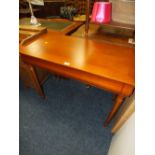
x,y
34,20
101,13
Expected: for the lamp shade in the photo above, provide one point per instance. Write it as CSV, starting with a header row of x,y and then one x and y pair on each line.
x,y
36,2
101,12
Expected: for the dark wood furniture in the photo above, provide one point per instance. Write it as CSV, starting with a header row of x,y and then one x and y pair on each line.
x,y
107,66
51,8
63,26
112,33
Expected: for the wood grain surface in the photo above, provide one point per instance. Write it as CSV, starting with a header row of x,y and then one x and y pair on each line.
x,y
107,66
105,60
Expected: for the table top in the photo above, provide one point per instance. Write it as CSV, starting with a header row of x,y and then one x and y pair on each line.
x,y
119,25
105,60
61,25
106,33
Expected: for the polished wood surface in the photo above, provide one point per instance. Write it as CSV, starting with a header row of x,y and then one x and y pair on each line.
x,y
126,111
33,76
29,32
68,29
87,17
103,65
119,25
106,34
101,59
116,106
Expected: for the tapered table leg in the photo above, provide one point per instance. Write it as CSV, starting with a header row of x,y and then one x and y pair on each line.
x,y
114,97
115,108
35,79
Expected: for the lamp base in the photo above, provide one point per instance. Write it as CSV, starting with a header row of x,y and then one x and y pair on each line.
x,y
34,21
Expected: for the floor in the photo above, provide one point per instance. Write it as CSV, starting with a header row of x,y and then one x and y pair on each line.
x,y
68,122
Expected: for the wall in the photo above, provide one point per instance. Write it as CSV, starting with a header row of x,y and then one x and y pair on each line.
x,y
123,142
123,11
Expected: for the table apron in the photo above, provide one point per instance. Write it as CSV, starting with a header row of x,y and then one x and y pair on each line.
x,y
88,78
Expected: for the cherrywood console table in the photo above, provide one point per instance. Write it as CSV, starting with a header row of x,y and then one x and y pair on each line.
x,y
106,66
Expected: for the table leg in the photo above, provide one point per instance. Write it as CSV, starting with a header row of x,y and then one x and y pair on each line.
x,y
37,85
115,108
114,97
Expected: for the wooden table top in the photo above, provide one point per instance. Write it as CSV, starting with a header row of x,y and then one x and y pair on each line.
x,y
109,61
59,25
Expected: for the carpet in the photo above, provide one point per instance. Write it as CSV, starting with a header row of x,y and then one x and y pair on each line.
x,y
68,122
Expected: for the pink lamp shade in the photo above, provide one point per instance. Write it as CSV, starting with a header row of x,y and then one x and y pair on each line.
x,y
101,12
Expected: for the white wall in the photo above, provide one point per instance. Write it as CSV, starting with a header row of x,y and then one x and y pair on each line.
x,y
123,11
123,142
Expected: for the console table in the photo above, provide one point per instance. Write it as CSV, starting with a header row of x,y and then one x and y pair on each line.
x,y
106,66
